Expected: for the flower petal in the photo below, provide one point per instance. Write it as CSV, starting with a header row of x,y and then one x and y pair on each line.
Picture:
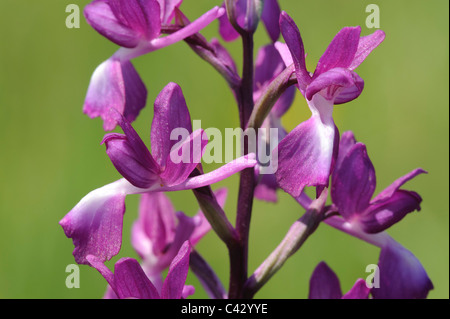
x,y
340,52
130,156
353,182
268,65
391,189
95,223
226,30
335,81
174,283
116,85
270,16
383,215
324,284
345,145
170,113
157,223
294,41
101,17
167,9
183,158
358,291
365,46
306,155
131,281
402,276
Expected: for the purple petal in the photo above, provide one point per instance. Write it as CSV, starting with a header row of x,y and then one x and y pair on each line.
x,y
226,30
95,223
293,39
170,112
305,155
402,276
156,224
358,291
365,46
174,283
335,81
391,189
353,182
183,158
324,284
284,102
187,291
266,189
115,85
130,156
270,16
268,65
131,281
340,51
101,17
284,52
168,9
345,145
223,55
383,215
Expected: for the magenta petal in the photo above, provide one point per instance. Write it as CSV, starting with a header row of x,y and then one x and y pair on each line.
x,y
102,18
270,16
170,112
324,284
365,47
266,189
223,55
157,222
305,155
268,65
183,158
103,270
131,281
353,182
345,145
402,276
176,277
95,223
340,52
130,156
335,81
391,189
358,291
115,85
383,215
168,9
294,41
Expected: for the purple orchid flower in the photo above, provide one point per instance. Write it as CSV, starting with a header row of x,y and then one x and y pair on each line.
x,y
269,65
353,185
95,223
130,281
324,284
306,155
401,274
157,237
248,19
135,25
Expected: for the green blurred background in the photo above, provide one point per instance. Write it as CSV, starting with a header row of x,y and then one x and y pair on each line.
x,y
51,157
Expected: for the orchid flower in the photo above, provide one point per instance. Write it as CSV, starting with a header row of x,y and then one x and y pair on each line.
x,y
353,185
136,26
306,155
324,284
269,64
129,280
95,223
247,17
157,237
